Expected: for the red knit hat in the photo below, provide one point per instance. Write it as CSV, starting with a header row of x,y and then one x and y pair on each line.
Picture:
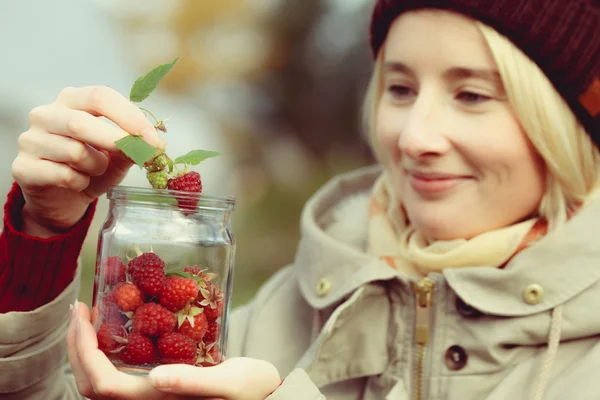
x,y
561,36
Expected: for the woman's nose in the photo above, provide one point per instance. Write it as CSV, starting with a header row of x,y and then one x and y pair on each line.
x,y
423,133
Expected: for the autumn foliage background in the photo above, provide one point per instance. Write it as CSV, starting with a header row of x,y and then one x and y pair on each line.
x,y
276,86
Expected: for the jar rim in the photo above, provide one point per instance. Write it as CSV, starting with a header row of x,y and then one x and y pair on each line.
x,y
169,197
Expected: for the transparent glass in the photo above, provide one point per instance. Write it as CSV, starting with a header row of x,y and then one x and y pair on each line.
x,y
163,280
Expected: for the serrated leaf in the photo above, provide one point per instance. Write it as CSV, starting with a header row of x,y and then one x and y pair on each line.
x,y
144,85
136,149
195,157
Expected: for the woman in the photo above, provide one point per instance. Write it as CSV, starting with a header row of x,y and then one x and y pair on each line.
x,y
461,269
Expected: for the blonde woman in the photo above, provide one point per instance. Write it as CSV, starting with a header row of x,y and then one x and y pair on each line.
x,y
464,266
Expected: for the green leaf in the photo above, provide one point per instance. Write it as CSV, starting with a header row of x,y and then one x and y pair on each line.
x,y
144,85
195,157
136,148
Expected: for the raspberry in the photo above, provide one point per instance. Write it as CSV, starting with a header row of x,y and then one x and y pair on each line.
x,y
110,337
113,271
176,348
177,292
109,309
212,333
199,329
211,298
145,261
139,350
188,182
202,274
212,314
152,319
158,163
128,296
147,272
194,270
158,179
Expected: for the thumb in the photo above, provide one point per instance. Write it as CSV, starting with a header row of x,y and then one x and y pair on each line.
x,y
234,379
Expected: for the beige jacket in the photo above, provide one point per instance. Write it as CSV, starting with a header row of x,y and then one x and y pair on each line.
x,y
341,325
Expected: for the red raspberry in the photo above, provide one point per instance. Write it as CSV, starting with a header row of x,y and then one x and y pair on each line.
x,y
188,182
202,274
212,314
128,296
109,309
110,337
147,271
199,329
213,332
113,271
176,348
177,292
193,269
211,298
139,350
152,319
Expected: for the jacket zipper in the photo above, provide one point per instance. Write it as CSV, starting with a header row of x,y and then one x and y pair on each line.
x,y
423,296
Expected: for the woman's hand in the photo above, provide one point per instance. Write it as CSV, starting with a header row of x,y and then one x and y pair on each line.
x,y
67,158
234,379
98,379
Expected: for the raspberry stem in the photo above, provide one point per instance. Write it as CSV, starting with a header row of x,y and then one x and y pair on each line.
x,y
152,115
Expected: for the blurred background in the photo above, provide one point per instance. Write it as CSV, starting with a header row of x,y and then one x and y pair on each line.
x,y
276,86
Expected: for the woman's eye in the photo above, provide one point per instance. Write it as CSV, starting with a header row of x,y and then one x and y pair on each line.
x,y
400,91
472,98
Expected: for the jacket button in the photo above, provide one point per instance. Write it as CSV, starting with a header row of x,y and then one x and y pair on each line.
x,y
456,358
466,310
533,294
323,287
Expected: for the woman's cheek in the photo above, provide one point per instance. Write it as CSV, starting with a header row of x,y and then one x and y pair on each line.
x,y
388,133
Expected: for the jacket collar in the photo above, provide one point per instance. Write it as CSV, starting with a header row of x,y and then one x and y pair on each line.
x,y
562,264
329,268
559,267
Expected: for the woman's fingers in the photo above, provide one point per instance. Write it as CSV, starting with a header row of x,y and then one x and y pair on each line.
x,y
31,172
107,102
105,379
78,155
234,379
83,384
80,125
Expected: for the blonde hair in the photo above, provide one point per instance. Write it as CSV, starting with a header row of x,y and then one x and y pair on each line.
x,y
572,160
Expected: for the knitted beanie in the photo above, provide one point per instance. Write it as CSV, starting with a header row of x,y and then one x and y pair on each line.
x,y
561,36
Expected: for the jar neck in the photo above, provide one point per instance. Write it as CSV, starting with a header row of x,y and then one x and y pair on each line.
x,y
170,200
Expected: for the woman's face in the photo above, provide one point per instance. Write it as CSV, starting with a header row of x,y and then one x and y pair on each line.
x,y
459,160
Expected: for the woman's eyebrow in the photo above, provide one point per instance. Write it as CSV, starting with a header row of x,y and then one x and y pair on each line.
x,y
451,73
479,73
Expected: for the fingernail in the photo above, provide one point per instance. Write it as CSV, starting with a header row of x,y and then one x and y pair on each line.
x,y
161,379
151,133
74,308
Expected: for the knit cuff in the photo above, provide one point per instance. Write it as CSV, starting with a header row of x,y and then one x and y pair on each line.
x,y
34,271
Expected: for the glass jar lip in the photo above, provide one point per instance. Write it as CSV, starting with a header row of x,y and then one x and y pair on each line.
x,y
167,197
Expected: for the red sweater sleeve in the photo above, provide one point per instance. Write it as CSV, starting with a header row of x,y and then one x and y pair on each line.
x,y
34,271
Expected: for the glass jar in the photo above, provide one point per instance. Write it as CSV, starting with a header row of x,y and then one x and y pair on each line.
x,y
163,280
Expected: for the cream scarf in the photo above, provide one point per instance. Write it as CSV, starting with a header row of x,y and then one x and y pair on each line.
x,y
393,239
